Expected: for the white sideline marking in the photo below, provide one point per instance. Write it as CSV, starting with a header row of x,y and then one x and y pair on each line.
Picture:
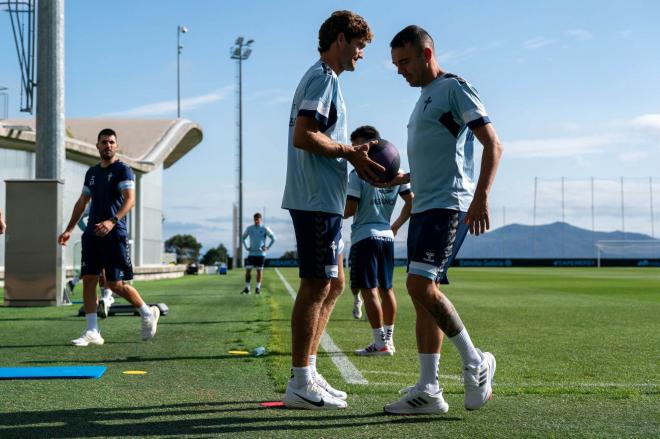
x,y
347,370
390,372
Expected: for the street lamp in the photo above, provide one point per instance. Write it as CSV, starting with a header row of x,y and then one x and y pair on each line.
x,y
179,30
240,52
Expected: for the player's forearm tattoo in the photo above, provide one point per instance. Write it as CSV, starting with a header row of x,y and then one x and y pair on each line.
x,y
446,316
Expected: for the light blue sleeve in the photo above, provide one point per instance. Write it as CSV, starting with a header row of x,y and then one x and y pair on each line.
x,y
318,101
244,238
466,105
272,237
354,187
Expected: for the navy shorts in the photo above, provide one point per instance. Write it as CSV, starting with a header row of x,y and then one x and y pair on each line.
x,y
110,252
318,237
372,263
434,238
255,262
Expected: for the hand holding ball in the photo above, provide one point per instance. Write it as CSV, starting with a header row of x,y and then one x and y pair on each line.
x,y
385,154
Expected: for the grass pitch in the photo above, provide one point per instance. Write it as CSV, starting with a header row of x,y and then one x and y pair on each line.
x,y
578,354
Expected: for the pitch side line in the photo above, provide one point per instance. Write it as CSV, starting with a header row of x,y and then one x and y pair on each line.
x,y
347,370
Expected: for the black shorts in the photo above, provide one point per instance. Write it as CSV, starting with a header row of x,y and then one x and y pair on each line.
x,y
255,262
372,263
110,252
434,238
318,237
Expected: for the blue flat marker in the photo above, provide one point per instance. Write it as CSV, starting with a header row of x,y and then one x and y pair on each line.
x,y
51,372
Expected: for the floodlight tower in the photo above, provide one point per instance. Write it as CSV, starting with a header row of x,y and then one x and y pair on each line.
x,y
179,30
240,51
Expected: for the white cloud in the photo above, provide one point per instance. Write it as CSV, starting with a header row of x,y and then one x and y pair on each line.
x,y
627,33
164,107
632,156
649,123
557,147
456,56
537,43
579,34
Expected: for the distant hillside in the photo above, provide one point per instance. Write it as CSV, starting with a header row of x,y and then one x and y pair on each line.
x,y
556,240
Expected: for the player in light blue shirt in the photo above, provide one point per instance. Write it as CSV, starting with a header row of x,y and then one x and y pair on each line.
x,y
441,131
258,234
314,194
372,249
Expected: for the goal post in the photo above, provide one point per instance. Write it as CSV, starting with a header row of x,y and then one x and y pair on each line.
x,y
623,249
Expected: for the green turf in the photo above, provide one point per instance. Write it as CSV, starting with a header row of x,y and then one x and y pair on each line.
x,y
578,354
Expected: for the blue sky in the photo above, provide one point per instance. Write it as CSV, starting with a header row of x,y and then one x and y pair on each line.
x,y
573,89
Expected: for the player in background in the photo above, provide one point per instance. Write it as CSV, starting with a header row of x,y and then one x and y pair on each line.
x,y
315,194
110,186
258,234
447,117
372,248
3,225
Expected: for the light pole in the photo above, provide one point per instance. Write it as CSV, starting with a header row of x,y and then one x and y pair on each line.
x,y
240,52
179,30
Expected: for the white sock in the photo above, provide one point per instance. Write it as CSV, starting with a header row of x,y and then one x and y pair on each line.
x,y
469,354
92,322
428,373
312,363
358,299
389,332
301,376
107,292
379,337
145,311
247,286
258,284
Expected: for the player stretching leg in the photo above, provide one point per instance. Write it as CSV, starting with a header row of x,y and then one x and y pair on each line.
x,y
441,131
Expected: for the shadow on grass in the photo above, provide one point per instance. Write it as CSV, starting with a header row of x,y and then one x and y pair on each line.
x,y
61,345
221,322
136,359
189,419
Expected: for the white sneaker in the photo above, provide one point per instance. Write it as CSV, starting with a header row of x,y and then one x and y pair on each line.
x,y
373,350
339,394
390,343
150,324
417,402
88,337
478,382
103,308
357,308
311,397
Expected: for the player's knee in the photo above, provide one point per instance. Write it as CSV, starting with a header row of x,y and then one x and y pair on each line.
x,y
117,287
337,286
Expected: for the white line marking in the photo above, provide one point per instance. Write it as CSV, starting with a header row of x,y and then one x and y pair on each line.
x,y
390,372
348,371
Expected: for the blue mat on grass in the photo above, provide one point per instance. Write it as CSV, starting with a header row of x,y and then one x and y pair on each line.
x,y
51,372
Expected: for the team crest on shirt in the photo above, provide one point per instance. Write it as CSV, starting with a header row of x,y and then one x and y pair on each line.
x,y
426,103
91,181
430,257
109,176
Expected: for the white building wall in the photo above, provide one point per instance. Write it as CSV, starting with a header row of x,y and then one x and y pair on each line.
x,y
152,211
15,164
